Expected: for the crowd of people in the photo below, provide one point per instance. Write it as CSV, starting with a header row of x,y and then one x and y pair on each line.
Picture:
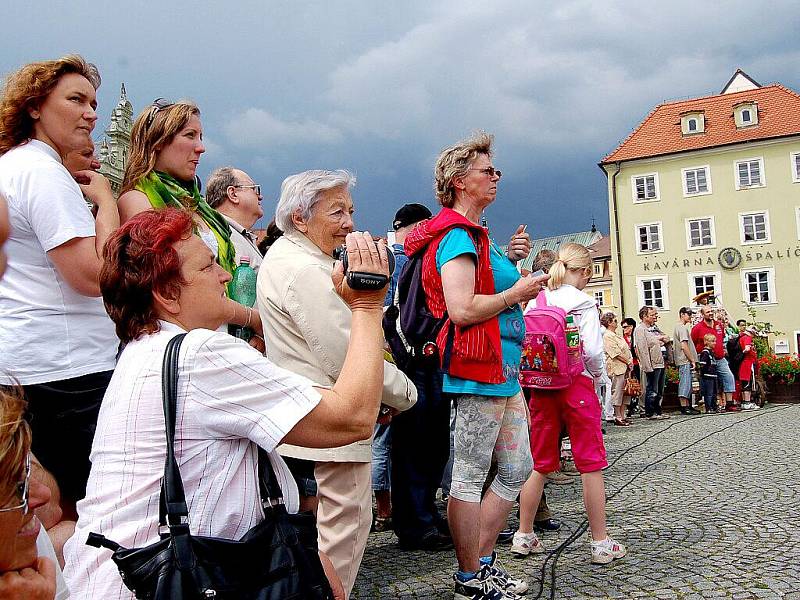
x,y
93,288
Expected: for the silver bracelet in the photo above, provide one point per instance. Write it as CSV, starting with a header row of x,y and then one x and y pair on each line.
x,y
503,296
249,316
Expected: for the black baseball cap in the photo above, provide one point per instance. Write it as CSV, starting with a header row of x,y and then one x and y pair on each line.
x,y
410,214
685,310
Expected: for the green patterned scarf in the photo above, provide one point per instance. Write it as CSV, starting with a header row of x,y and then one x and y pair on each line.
x,y
164,190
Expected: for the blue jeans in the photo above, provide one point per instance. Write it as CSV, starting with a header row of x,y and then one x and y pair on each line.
x,y
420,448
726,379
685,381
653,386
708,388
381,457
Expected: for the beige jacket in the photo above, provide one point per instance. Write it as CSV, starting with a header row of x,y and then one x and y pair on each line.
x,y
648,349
616,349
307,330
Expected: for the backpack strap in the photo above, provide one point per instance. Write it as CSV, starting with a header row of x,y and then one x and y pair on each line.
x,y
541,299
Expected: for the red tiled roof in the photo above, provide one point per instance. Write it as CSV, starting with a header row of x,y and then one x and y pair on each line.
x,y
601,247
660,132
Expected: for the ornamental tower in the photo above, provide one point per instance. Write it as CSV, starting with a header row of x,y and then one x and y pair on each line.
x,y
115,146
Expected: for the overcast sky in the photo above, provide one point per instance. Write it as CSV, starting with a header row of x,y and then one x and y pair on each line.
x,y
380,88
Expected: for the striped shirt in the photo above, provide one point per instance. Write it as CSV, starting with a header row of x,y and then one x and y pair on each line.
x,y
230,399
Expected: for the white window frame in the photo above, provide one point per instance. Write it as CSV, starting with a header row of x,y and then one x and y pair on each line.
x,y
773,293
794,162
716,275
797,220
686,192
742,215
700,123
752,107
749,111
660,238
597,269
634,197
664,279
713,243
601,302
797,341
762,173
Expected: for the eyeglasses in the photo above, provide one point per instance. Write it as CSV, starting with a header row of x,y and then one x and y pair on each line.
x,y
255,187
157,105
490,171
22,490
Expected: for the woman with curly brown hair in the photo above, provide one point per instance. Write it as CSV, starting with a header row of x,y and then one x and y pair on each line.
x,y
55,336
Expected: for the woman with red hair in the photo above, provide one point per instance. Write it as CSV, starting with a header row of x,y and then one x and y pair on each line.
x,y
159,279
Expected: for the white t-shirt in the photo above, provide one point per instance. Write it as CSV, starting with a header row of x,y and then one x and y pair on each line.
x,y
230,399
48,331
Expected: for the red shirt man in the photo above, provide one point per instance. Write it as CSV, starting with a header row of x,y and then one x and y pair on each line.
x,y
709,325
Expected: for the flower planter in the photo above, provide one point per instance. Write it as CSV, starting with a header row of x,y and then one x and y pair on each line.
x,y
783,393
669,401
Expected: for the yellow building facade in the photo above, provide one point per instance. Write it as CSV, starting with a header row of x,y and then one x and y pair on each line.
x,y
704,195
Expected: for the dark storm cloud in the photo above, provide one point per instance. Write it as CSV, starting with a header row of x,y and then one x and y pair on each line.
x,y
287,86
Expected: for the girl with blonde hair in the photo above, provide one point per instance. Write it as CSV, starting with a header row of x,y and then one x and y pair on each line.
x,y
576,407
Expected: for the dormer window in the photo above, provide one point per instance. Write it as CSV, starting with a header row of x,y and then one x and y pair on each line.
x,y
745,114
693,123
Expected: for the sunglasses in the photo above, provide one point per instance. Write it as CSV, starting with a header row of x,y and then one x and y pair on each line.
x,y
255,187
490,171
21,492
157,105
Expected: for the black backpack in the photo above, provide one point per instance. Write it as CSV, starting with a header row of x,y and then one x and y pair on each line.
x,y
735,353
413,343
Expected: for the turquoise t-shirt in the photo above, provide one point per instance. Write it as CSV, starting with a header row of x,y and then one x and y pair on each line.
x,y
512,325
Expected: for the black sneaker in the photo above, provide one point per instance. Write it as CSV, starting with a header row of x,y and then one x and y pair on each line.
x,y
433,542
480,587
547,525
505,536
505,582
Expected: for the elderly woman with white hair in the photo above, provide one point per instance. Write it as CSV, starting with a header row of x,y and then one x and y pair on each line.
x,y
307,326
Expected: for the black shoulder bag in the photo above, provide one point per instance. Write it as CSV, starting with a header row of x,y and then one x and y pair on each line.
x,y
276,560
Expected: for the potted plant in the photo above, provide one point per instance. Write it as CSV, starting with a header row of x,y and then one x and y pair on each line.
x,y
782,377
670,398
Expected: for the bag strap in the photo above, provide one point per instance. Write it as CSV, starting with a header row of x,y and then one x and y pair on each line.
x,y
271,493
541,299
173,511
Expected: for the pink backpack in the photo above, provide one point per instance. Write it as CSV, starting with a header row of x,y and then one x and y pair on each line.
x,y
547,363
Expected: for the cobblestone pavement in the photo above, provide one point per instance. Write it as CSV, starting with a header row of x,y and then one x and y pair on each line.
x,y
718,520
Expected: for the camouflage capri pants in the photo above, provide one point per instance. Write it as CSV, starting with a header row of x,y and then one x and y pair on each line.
x,y
489,426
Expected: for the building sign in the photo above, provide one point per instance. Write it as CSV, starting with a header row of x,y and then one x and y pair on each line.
x,y
729,258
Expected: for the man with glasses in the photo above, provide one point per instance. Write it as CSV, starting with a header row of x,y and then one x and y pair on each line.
x,y
236,197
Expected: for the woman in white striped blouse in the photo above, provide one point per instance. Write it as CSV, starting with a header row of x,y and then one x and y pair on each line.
x,y
160,280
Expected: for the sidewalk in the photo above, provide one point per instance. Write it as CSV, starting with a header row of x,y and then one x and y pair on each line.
x,y
719,520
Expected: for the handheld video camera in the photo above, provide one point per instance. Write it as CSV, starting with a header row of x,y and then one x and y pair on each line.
x,y
359,280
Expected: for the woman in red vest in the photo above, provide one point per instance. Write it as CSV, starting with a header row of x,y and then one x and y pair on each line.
x,y
468,277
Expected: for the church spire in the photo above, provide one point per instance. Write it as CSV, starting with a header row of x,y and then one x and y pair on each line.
x,y
116,144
